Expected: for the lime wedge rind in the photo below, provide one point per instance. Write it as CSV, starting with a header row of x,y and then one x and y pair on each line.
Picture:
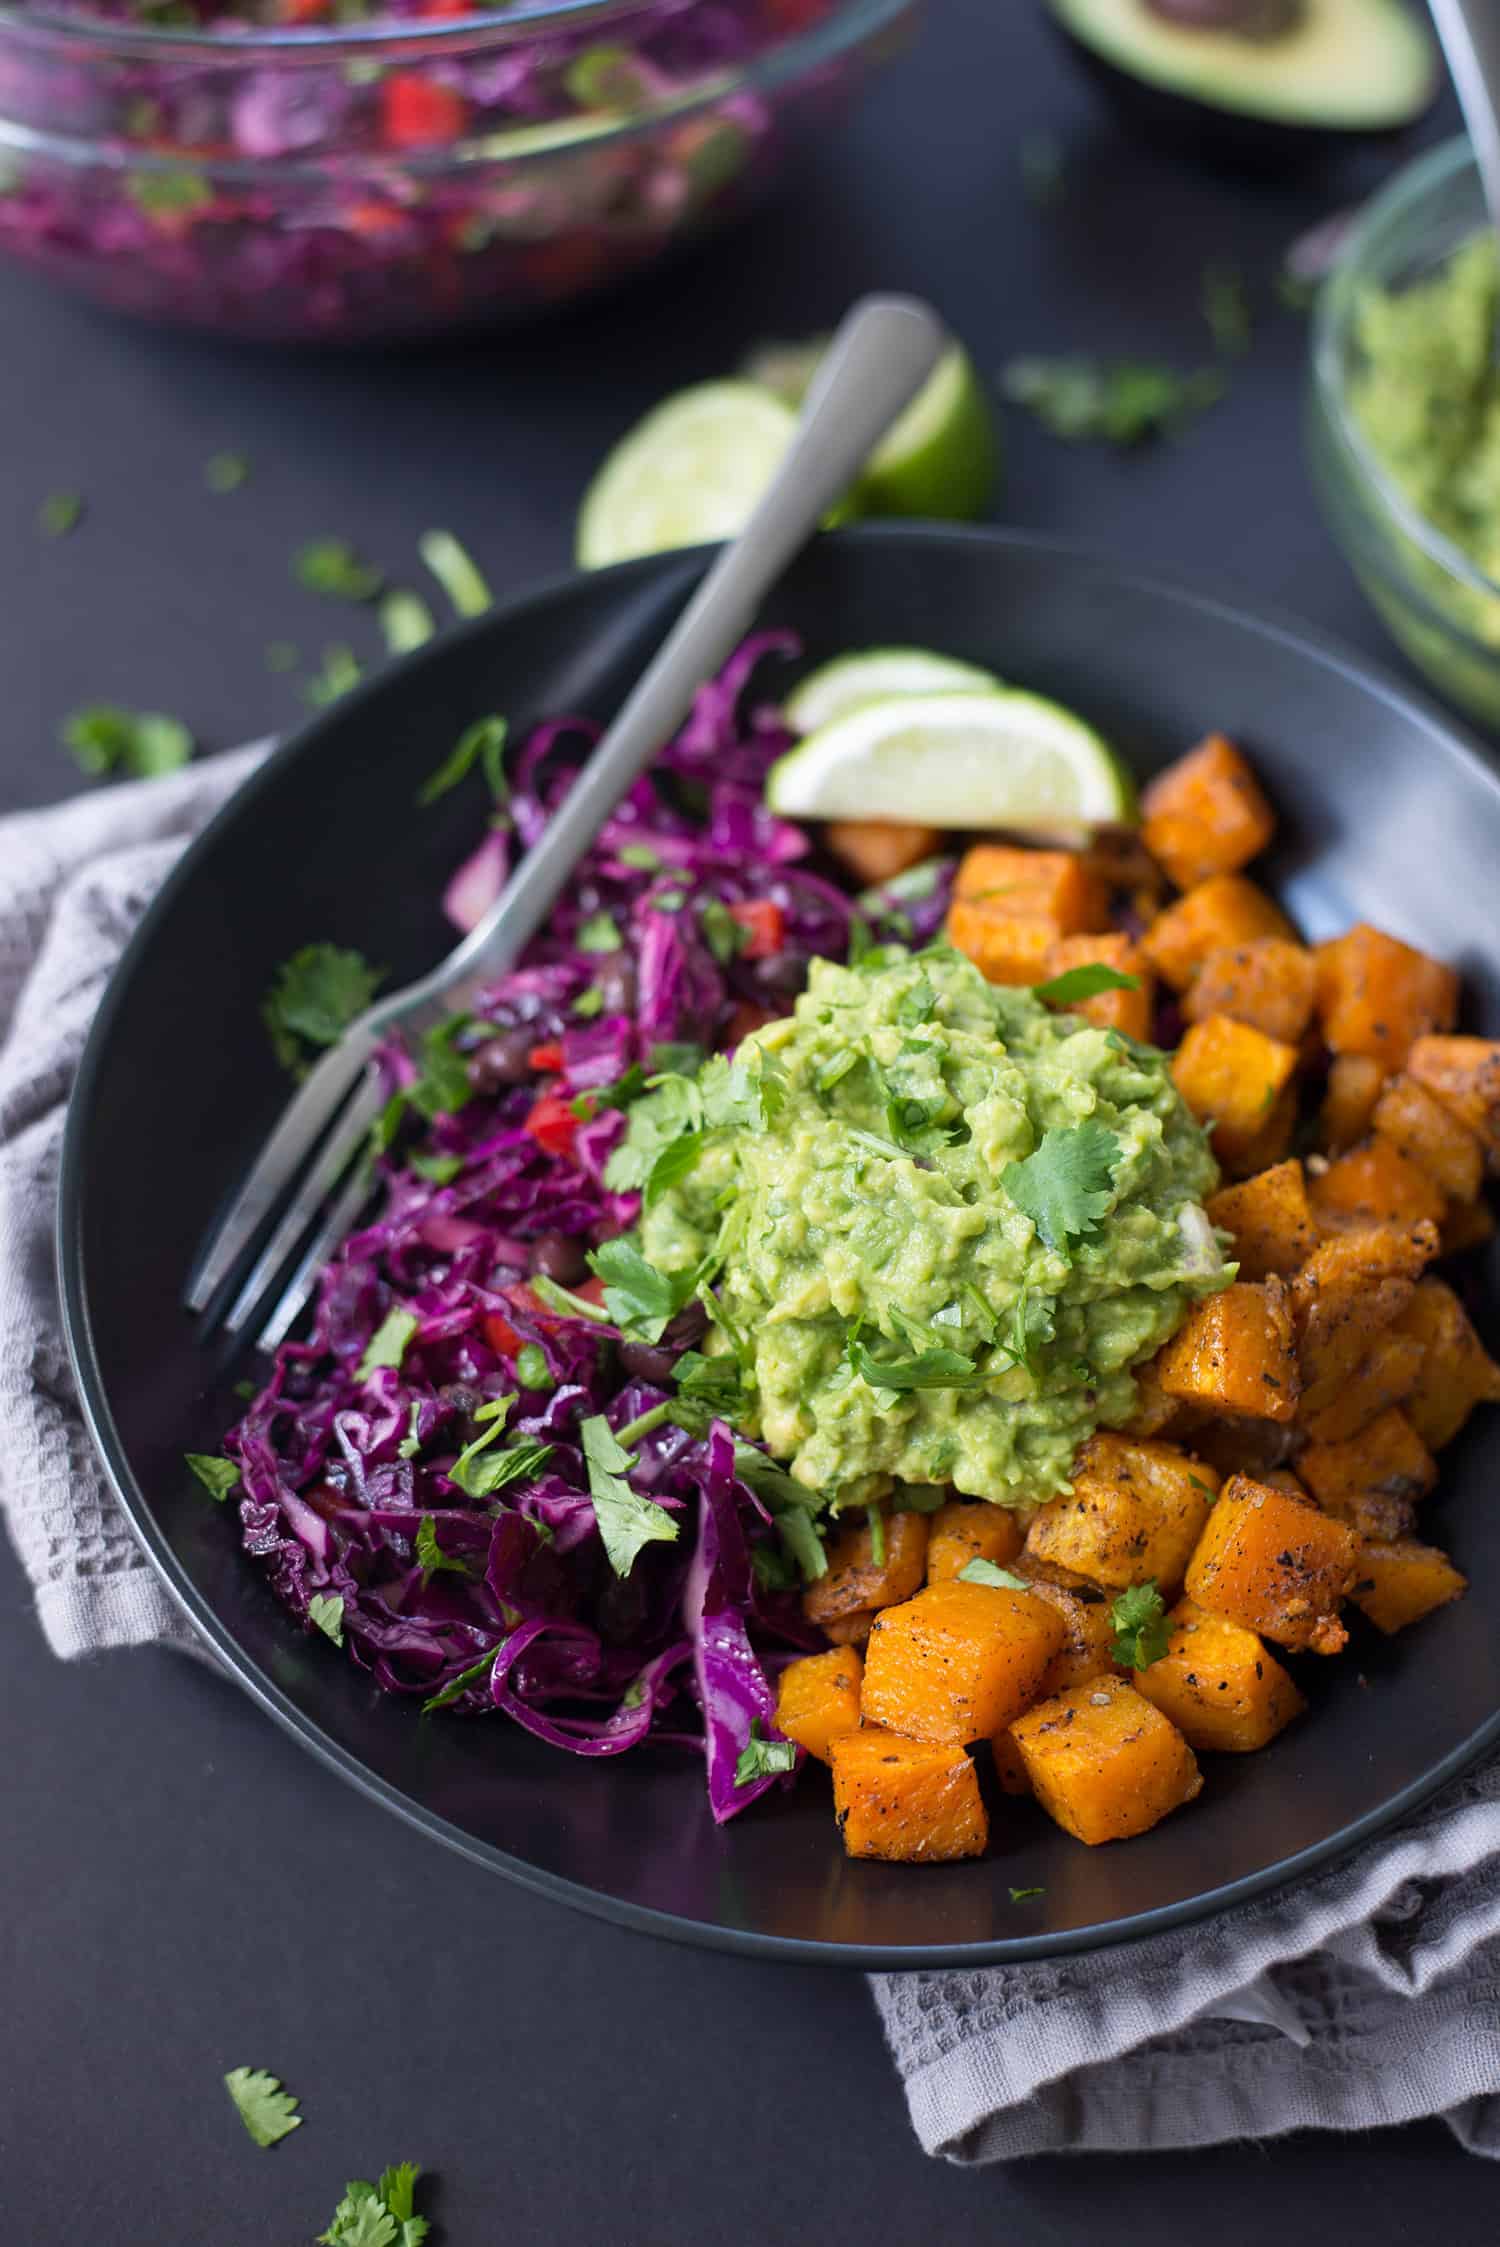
x,y
878,675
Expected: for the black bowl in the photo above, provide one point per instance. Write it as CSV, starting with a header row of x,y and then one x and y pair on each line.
x,y
1386,816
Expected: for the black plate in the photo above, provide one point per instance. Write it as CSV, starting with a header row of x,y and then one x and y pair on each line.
x,y
1386,815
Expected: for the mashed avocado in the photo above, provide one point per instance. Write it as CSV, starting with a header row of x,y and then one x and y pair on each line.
x,y
944,1222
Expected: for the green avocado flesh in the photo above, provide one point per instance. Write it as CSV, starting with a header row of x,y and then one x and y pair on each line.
x,y
885,1278
1343,65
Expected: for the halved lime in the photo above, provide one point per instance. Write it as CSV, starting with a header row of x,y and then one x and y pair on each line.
x,y
878,675
1005,759
689,473
942,458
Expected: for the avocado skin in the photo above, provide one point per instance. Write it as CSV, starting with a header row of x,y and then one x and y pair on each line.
x,y
1226,139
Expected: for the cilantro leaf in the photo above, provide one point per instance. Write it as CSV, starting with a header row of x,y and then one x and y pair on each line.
x,y
331,566
916,1005
1141,1628
456,572
140,743
749,1093
1020,1895
672,1164
598,933
1084,982
441,1170
671,1109
1118,401
218,1476
59,513
225,472
1064,1187
457,1687
340,670
627,1521
411,1442
361,2219
387,1345
397,2188
268,2112
326,1609
431,1556
405,620
317,993
977,1571
926,1369
639,1299
443,1086
480,1470
717,1382
482,743
725,937
565,1302
763,1759
532,1369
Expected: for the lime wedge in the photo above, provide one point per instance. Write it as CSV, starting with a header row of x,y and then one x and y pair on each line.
x,y
942,458
689,473
1005,759
877,675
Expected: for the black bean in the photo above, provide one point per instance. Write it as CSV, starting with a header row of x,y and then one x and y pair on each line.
x,y
644,1363
614,980
559,1258
502,1061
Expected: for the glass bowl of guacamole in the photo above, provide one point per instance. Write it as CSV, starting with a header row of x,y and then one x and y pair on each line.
x,y
1403,421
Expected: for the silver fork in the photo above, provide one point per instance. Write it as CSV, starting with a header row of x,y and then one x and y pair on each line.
x,y
309,1182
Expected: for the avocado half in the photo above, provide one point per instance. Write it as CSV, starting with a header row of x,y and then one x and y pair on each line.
x,y
1260,81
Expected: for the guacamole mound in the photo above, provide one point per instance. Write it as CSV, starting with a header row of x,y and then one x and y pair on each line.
x,y
947,1223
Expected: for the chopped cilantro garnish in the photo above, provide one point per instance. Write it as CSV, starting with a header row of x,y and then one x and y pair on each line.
x,y
1021,1895
218,1476
638,1298
532,1369
387,1345
480,1470
639,856
59,513
225,472
1226,308
268,2112
627,1521
318,992
750,1092
457,1687
168,193
763,1759
455,571
589,1003
977,1571
379,2215
1121,401
405,620
326,1609
927,1369
598,934
715,1381
725,937
482,743
411,1442
141,743
1084,982
439,1170
340,670
916,1005
1064,1187
565,1302
431,1556
331,566
1141,1628
875,1521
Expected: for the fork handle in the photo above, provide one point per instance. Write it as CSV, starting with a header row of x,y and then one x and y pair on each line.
x,y
883,353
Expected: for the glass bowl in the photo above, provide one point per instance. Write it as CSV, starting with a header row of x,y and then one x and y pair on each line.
x,y
1439,606
338,180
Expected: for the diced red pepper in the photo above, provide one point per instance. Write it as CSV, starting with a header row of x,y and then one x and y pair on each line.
x,y
765,925
419,113
546,1059
500,1334
590,1290
553,1125
301,11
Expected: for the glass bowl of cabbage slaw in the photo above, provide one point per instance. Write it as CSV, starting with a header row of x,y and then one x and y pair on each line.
x,y
342,170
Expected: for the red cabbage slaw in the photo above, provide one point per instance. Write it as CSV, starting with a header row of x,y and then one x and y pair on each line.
x,y
366,1496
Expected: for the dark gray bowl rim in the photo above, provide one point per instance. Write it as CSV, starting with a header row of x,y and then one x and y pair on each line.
x,y
1274,628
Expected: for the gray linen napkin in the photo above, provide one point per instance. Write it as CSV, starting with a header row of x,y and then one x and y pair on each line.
x,y
1370,1994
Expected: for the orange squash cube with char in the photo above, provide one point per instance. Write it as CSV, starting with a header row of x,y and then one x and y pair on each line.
x,y
1269,1220
1011,906
849,1630
1464,1073
1430,1137
1234,1077
1135,1510
1087,1649
1221,913
1005,947
1455,1370
1387,1376
970,1529
1347,1293
1373,1185
1235,1353
1349,1101
1375,1480
1400,1582
1269,983
817,1699
1010,1771
1275,1565
1103,1762
1154,1411
1376,994
1126,1011
1220,1685
856,1579
958,1662
877,850
908,1802
1205,814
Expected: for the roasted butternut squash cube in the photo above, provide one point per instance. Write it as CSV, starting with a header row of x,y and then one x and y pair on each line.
x,y
1220,913
1349,1100
958,1662
1206,814
1154,1411
817,1699
877,850
1039,885
849,1630
1375,1480
856,1580
1234,1352
1282,1478
1088,1647
1236,1446
1127,1011
1464,1073
1269,983
1376,994
1349,1290
1005,947
909,1802
1429,1136
1269,1219
1385,1377
970,1529
1135,1510
1455,1370
1373,1185
1103,1762
1219,1684
1233,1077
1278,1566
1010,1771
1400,1582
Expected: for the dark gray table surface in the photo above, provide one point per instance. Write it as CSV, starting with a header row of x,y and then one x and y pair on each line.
x,y
184,1890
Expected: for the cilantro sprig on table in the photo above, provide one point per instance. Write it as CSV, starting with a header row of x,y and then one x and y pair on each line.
x,y
268,2112
379,2215
1120,401
317,993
